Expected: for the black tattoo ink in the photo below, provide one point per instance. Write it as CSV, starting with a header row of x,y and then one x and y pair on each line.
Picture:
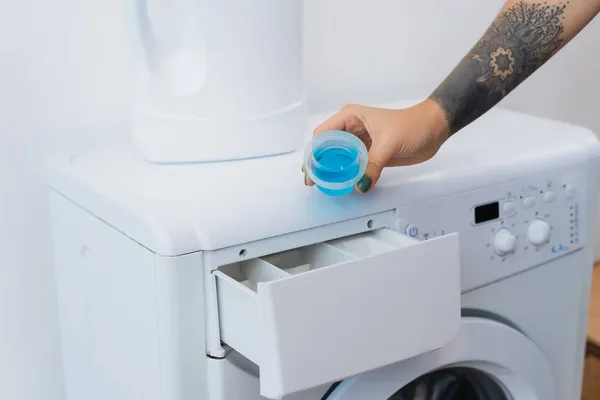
x,y
519,41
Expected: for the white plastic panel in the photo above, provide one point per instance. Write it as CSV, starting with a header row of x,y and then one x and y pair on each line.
x,y
238,303
107,298
308,258
565,215
518,365
348,306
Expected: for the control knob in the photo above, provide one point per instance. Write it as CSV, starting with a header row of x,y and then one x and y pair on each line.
x,y
504,242
538,232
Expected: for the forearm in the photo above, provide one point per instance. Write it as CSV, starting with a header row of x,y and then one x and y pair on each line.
x,y
521,39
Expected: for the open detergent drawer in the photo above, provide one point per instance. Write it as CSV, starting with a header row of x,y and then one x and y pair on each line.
x,y
328,311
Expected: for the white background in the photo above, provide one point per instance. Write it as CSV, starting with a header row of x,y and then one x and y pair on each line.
x,y
65,74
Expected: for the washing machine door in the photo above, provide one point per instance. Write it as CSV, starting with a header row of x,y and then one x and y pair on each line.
x,y
487,360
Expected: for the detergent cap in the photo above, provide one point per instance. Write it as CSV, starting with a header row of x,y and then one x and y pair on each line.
x,y
335,161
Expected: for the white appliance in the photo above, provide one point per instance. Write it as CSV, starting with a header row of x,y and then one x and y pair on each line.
x,y
218,80
232,281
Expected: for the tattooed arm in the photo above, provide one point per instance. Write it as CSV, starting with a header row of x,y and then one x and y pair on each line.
x,y
523,36
521,39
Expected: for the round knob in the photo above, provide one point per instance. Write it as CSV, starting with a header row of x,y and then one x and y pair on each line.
x,y
570,191
538,232
504,242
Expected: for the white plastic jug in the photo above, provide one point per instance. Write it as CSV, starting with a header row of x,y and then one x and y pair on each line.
x,y
219,79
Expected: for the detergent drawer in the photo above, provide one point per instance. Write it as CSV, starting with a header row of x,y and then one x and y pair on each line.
x,y
325,312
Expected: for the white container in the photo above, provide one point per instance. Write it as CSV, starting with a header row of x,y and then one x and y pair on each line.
x,y
219,80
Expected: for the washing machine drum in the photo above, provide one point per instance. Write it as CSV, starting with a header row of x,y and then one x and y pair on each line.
x,y
461,383
487,360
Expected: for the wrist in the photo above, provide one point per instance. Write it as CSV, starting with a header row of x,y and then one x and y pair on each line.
x,y
434,119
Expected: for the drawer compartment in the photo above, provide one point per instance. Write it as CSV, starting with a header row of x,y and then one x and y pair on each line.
x,y
325,312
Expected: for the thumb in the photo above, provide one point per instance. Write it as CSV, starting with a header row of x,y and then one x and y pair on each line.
x,y
380,155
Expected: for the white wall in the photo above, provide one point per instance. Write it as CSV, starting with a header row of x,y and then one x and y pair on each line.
x,y
65,73
28,345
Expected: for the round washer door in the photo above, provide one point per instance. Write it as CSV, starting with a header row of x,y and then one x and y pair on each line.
x,y
497,361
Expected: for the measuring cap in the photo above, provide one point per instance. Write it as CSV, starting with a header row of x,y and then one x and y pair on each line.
x,y
335,161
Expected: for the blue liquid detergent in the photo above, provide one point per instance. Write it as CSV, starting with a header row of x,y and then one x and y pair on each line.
x,y
336,164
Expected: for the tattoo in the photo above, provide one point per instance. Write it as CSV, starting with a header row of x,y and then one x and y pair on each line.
x,y
519,41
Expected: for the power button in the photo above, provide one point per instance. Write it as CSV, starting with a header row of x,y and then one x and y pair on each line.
x,y
412,230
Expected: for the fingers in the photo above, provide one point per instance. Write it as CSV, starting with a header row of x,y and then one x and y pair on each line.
x,y
307,180
335,122
351,119
348,119
379,157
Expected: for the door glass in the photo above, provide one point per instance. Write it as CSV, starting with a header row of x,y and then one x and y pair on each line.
x,y
453,384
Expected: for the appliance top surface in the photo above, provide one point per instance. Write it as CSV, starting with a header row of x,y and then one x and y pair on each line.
x,y
181,208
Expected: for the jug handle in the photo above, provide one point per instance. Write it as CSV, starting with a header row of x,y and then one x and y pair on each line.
x,y
173,44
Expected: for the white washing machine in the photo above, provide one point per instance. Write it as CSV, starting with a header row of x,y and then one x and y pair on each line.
x,y
465,277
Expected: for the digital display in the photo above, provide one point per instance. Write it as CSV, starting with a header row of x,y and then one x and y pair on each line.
x,y
487,212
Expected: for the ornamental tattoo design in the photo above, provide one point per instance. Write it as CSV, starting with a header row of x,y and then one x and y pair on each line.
x,y
502,62
519,41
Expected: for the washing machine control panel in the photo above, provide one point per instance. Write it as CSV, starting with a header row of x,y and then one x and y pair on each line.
x,y
507,228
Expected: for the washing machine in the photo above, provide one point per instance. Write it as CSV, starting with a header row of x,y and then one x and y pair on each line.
x,y
464,277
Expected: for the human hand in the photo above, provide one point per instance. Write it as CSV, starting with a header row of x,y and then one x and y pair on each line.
x,y
393,137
